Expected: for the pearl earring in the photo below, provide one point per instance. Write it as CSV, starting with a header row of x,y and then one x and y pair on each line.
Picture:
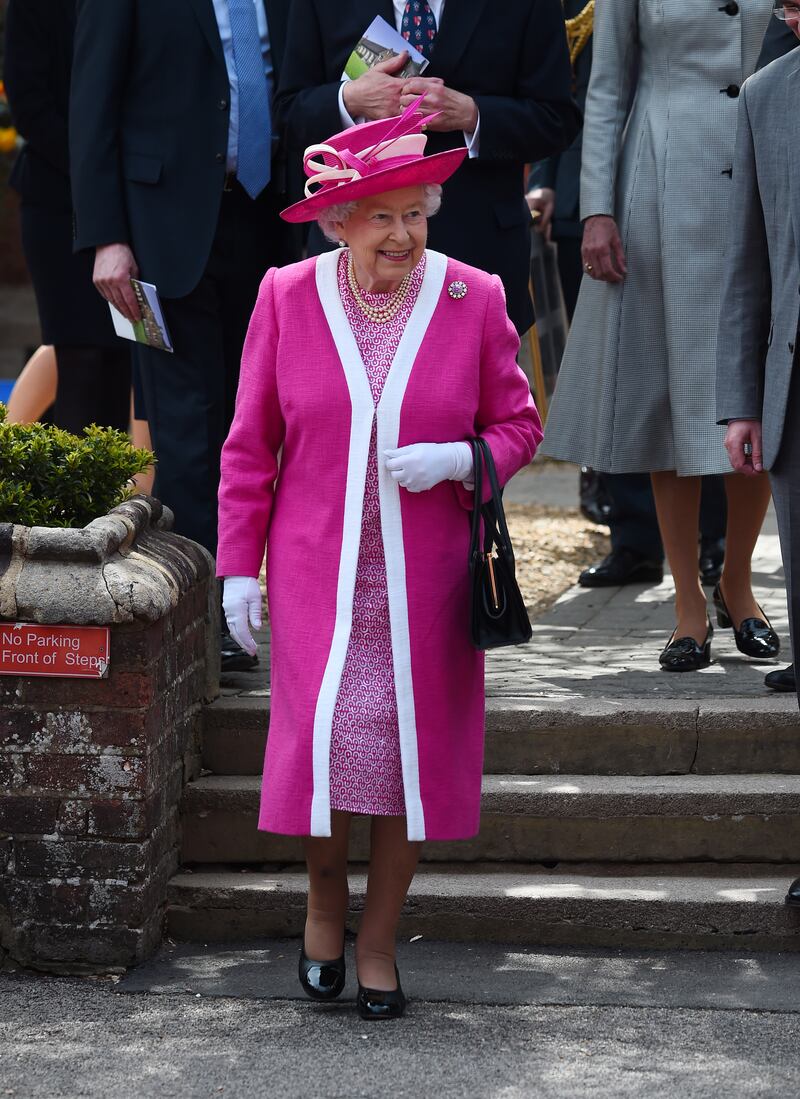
x,y
342,243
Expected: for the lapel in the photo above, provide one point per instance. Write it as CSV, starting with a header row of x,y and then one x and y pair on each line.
x,y
204,12
459,20
792,137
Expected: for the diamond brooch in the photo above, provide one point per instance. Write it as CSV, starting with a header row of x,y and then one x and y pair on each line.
x,y
457,289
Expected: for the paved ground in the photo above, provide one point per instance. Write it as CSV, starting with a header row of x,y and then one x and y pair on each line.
x,y
540,1024
603,644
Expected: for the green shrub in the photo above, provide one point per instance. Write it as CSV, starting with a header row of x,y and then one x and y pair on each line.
x,y
49,478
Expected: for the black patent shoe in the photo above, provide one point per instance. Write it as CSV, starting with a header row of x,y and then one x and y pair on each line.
x,y
321,980
712,556
683,654
622,566
782,679
375,1003
793,895
755,637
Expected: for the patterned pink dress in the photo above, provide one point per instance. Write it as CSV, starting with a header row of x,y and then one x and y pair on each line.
x,y
366,773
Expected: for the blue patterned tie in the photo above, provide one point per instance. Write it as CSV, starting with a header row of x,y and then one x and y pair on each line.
x,y
254,165
419,26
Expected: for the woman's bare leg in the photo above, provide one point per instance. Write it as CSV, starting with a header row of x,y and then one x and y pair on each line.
x,y
678,508
328,896
393,861
140,436
748,500
35,389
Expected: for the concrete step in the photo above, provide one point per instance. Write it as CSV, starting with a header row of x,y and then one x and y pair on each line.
x,y
530,818
696,907
633,737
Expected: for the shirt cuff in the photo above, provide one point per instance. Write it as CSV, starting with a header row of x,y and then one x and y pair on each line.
x,y
346,119
473,140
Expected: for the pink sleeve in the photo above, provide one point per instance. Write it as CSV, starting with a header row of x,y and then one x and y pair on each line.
x,y
249,465
506,417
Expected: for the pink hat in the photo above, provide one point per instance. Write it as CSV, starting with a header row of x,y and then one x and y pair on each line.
x,y
370,159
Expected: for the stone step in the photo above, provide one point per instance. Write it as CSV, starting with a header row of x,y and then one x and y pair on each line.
x,y
662,737
542,819
695,907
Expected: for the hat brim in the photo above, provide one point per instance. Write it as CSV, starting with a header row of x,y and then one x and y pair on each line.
x,y
428,169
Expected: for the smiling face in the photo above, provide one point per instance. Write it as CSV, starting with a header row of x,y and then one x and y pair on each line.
x,y
387,236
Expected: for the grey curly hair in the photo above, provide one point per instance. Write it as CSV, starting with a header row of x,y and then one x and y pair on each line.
x,y
334,215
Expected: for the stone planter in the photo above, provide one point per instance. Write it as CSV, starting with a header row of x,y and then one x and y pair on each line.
x,y
91,770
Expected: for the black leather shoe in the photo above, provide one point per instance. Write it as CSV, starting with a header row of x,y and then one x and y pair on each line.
x,y
683,654
374,1003
793,895
594,501
712,555
233,658
321,980
755,637
622,566
781,680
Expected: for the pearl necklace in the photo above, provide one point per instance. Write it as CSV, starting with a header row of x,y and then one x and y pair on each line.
x,y
380,314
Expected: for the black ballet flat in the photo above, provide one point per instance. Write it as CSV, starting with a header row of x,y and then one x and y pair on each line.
x,y
683,654
755,636
321,980
374,1003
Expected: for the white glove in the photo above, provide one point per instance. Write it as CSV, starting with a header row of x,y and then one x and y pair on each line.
x,y
420,466
241,601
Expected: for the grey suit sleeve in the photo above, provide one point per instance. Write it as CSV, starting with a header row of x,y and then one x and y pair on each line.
x,y
616,42
747,289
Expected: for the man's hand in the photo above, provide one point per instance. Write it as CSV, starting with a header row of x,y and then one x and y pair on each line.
x,y
543,199
114,267
740,432
376,94
459,112
602,252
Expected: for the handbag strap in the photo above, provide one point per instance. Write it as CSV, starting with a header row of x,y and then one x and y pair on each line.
x,y
493,512
477,501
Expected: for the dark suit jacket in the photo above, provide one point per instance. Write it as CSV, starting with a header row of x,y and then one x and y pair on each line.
x,y
779,39
149,131
562,172
38,62
512,58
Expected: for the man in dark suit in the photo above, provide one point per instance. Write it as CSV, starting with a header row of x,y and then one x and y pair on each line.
x,y
500,75
176,181
779,39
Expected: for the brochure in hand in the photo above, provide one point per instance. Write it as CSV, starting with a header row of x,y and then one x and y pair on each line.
x,y
380,42
152,328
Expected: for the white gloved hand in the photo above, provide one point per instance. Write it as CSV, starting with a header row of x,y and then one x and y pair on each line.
x,y
241,602
420,466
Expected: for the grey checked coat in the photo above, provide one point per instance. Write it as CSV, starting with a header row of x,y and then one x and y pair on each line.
x,y
636,391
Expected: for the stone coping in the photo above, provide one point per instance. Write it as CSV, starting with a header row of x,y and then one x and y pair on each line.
x,y
123,567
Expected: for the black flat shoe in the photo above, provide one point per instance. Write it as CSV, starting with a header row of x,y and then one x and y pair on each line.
x,y
782,679
683,654
793,895
622,566
755,637
374,1003
321,980
233,658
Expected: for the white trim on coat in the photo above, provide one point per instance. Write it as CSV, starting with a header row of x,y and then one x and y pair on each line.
x,y
388,420
389,408
362,412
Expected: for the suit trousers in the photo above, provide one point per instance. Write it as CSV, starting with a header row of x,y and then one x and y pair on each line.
x,y
785,480
189,396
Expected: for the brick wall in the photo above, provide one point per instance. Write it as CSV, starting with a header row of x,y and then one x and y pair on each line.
x,y
91,772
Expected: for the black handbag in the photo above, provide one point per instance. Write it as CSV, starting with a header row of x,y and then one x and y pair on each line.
x,y
498,614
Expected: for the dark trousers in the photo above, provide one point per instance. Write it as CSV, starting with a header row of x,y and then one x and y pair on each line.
x,y
785,480
94,387
189,395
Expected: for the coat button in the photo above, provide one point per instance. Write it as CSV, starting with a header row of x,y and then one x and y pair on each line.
x,y
220,158
223,104
732,90
731,8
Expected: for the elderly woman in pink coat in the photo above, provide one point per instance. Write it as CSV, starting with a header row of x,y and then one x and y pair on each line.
x,y
364,373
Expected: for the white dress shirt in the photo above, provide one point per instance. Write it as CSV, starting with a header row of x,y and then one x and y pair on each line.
x,y
223,15
472,140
